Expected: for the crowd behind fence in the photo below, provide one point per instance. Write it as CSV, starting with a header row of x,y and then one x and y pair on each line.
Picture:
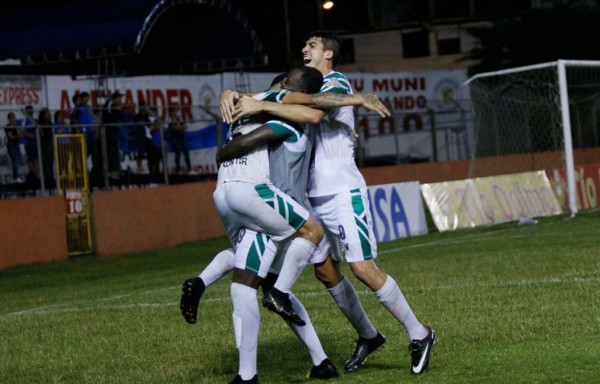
x,y
144,145
142,142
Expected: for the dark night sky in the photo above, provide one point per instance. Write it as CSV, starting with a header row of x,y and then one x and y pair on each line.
x,y
191,34
267,18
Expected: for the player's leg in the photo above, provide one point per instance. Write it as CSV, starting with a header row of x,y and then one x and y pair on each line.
x,y
355,231
297,256
281,217
322,367
193,289
251,263
327,270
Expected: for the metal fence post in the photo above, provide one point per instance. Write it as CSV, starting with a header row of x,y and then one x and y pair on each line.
x,y
38,142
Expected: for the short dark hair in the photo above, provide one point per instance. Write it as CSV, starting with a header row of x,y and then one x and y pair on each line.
x,y
312,79
330,42
278,79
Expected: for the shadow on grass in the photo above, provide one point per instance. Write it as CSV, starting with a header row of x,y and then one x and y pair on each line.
x,y
284,359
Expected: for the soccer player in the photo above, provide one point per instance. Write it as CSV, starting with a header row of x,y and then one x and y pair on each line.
x,y
338,195
255,213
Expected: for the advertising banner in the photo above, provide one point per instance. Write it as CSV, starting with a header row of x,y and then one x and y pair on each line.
x,y
490,200
587,181
397,211
407,94
18,91
196,96
413,98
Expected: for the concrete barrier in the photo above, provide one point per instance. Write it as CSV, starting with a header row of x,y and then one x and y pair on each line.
x,y
33,231
139,220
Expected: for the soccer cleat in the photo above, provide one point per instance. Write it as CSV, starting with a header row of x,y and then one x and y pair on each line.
x,y
420,351
279,302
364,347
191,292
325,370
238,380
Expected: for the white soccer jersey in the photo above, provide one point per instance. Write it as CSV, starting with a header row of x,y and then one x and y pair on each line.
x,y
334,169
253,167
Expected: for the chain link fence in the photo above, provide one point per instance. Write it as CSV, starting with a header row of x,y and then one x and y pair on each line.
x,y
145,146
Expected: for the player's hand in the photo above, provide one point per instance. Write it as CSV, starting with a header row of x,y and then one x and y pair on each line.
x,y
373,103
227,101
246,106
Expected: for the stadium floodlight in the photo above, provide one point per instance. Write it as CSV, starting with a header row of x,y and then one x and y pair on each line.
x,y
327,5
527,117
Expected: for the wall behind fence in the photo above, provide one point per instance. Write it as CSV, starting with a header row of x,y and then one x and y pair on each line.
x,y
145,219
139,220
33,231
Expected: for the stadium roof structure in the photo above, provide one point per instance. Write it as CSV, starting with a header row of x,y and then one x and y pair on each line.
x,y
130,37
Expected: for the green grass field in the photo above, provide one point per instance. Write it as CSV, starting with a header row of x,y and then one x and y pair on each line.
x,y
510,304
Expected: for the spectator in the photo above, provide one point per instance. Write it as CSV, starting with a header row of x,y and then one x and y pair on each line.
x,y
61,123
76,99
177,128
153,142
142,125
13,134
29,127
89,124
46,137
127,144
111,118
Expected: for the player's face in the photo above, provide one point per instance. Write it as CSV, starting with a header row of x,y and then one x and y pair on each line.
x,y
293,81
313,52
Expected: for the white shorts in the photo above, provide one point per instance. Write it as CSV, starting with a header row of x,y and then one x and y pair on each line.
x,y
348,225
254,252
259,207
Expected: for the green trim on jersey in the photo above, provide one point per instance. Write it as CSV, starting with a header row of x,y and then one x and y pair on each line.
x,y
284,131
284,209
342,91
270,96
361,222
337,83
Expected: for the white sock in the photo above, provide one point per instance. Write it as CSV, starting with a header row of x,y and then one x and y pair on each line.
x,y
218,267
347,300
294,261
246,324
307,333
394,301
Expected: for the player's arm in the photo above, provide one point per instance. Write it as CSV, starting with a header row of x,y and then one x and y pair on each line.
x,y
291,112
300,107
227,101
242,144
330,100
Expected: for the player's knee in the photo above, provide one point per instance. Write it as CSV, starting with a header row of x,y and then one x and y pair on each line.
x,y
312,231
327,274
246,278
367,272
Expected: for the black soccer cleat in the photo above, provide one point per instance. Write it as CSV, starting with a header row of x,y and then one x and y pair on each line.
x,y
279,302
420,351
325,370
364,347
191,292
238,380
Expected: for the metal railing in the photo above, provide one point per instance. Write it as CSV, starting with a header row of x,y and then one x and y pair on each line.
x,y
434,134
